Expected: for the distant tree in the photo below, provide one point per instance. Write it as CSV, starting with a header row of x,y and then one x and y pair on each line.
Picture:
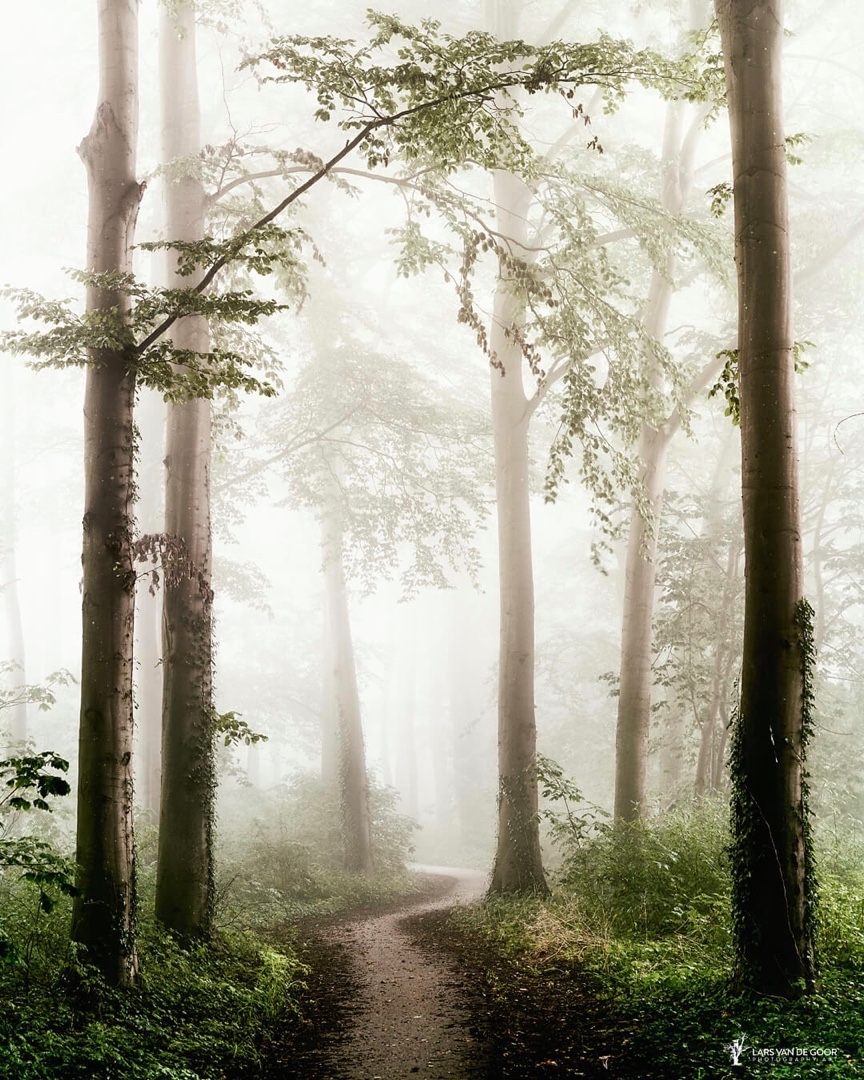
x,y
772,861
379,452
698,622
184,867
680,140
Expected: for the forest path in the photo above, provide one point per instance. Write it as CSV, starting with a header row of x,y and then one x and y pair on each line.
x,y
385,1007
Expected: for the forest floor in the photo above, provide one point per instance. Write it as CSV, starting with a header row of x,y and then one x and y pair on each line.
x,y
395,993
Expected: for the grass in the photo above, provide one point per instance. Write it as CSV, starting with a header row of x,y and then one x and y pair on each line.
x,y
643,921
195,1014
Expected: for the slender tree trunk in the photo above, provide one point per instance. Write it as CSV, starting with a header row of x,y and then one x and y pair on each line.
x,y
103,919
329,711
148,769
406,718
353,779
184,873
518,863
637,634
148,616
772,892
710,733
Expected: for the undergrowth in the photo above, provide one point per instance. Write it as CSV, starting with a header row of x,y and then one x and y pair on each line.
x,y
282,857
641,917
198,1012
201,1012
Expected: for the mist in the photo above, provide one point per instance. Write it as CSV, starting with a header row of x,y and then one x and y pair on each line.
x,y
468,441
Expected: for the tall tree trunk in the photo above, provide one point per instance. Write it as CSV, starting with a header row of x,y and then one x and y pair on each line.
x,y
637,636
353,779
634,699
184,873
103,913
772,890
518,863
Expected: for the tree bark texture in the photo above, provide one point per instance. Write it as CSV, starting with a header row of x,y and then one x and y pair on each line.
x,y
771,870
518,864
103,919
184,872
150,416
353,779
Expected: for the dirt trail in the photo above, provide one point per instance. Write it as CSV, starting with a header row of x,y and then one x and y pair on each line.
x,y
389,1009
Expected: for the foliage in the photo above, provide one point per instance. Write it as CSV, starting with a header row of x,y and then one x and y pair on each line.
x,y
458,95
283,855
74,337
30,781
233,730
40,694
652,880
569,826
727,381
668,985
727,384
195,1013
400,461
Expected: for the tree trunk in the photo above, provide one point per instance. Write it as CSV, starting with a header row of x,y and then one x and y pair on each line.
x,y
405,715
712,728
772,891
103,914
518,863
637,635
353,780
148,615
329,713
184,873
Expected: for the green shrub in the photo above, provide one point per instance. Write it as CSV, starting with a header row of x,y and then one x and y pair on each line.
x,y
656,878
282,855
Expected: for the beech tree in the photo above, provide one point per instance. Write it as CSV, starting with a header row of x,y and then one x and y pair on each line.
x,y
540,264
184,869
377,450
680,138
773,902
103,911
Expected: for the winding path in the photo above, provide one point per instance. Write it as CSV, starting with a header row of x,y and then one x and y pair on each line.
x,y
400,1010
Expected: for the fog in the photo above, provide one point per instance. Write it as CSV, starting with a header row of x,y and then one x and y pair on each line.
x,y
427,654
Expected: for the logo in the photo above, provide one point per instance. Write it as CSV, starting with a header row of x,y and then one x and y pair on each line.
x,y
736,1048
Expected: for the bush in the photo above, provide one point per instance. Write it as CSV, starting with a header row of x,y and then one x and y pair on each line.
x,y
656,878
282,856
